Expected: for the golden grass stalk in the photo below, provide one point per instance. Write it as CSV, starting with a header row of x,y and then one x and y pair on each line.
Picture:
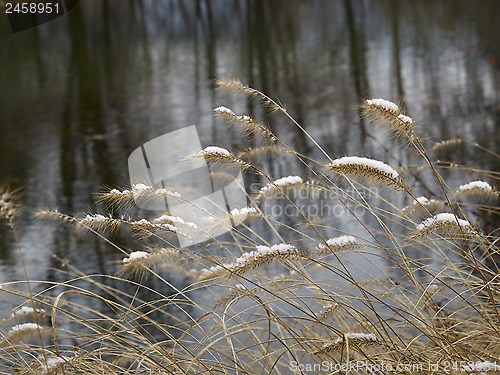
x,y
216,154
258,152
443,223
423,205
27,312
478,191
126,198
139,262
445,146
328,310
354,340
247,261
338,244
280,186
8,206
146,226
22,332
368,169
249,127
237,291
236,85
99,222
388,114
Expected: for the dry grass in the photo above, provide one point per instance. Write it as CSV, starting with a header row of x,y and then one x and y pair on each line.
x,y
251,306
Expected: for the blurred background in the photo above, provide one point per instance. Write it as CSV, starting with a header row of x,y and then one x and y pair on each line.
x,y
80,93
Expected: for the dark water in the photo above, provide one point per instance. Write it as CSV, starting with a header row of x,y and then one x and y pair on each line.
x,y
80,93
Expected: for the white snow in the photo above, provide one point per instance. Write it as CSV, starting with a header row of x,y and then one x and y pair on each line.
x,y
147,223
385,104
135,255
141,222
24,326
339,241
216,150
443,217
221,109
242,211
244,118
141,187
476,184
26,310
167,192
433,288
371,163
364,336
422,200
52,362
406,119
95,218
174,219
252,255
283,181
118,192
356,336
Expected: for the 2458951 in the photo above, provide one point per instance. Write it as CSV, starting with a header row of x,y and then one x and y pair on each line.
x,y
33,8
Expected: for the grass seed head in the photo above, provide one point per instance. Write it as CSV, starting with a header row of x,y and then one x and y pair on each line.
x,y
368,169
